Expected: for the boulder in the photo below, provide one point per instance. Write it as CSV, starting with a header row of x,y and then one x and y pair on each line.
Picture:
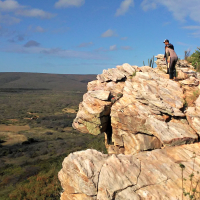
x,y
144,111
145,117
193,116
100,94
117,74
93,115
147,175
191,81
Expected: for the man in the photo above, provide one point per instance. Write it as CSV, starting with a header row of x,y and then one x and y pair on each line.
x,y
172,58
166,41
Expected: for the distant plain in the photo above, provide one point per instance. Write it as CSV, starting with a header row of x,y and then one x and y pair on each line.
x,y
36,114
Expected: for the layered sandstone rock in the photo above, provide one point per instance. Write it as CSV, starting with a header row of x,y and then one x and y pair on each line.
x,y
142,114
94,112
193,116
137,109
183,68
91,175
150,112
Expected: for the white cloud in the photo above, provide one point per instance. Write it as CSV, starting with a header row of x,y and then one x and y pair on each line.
x,y
32,43
15,8
9,5
191,27
179,8
195,34
7,19
124,7
126,48
69,3
100,49
108,33
35,13
113,47
33,47
39,29
182,44
85,44
148,4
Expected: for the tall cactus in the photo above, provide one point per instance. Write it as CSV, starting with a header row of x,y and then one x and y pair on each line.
x,y
150,62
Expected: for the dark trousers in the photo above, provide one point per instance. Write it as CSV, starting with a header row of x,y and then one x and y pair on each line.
x,y
172,69
167,67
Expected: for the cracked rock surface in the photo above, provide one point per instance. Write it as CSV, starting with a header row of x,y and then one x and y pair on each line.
x,y
138,109
156,175
148,131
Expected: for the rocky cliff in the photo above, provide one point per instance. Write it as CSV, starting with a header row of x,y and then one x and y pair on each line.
x,y
138,110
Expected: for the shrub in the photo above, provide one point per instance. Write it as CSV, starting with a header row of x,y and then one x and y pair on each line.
x,y
186,54
194,59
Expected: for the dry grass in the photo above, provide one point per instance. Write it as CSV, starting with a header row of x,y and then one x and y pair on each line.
x,y
12,138
13,128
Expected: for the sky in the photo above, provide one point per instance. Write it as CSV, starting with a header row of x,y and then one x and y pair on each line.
x,y
88,36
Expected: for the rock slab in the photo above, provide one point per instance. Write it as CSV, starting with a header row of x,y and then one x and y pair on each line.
x,y
155,175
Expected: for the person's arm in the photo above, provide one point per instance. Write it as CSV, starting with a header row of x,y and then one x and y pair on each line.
x,y
168,57
164,54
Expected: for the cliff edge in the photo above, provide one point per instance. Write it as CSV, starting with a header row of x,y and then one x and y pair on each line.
x,y
151,125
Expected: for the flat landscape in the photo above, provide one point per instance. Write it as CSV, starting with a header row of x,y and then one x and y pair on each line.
x,y
36,114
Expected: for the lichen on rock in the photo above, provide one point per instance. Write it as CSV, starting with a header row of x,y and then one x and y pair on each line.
x,y
148,130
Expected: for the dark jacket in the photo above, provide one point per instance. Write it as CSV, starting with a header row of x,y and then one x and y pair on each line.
x,y
171,46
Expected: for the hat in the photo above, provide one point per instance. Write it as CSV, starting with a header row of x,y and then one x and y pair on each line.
x,y
166,40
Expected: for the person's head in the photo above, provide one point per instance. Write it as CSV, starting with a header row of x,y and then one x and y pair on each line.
x,y
166,41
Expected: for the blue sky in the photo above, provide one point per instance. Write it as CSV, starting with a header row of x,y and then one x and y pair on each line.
x,y
87,36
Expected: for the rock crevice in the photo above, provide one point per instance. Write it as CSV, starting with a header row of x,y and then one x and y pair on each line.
x,y
146,103
148,130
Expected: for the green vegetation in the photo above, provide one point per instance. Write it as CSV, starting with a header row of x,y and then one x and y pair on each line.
x,y
193,192
35,137
194,59
150,62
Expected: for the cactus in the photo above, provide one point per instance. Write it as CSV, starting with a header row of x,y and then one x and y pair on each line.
x,y
150,62
153,62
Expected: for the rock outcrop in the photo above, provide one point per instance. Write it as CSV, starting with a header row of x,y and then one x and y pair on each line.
x,y
193,116
148,130
91,175
138,109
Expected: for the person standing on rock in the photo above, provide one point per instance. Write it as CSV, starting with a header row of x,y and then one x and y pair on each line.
x,y
166,41
172,59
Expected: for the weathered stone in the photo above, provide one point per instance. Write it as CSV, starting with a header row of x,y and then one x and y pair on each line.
x,y
111,75
173,133
193,116
93,115
112,87
191,81
184,64
146,175
80,173
100,94
142,115
142,118
182,75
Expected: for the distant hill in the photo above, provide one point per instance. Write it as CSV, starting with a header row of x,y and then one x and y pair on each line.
x,y
40,81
